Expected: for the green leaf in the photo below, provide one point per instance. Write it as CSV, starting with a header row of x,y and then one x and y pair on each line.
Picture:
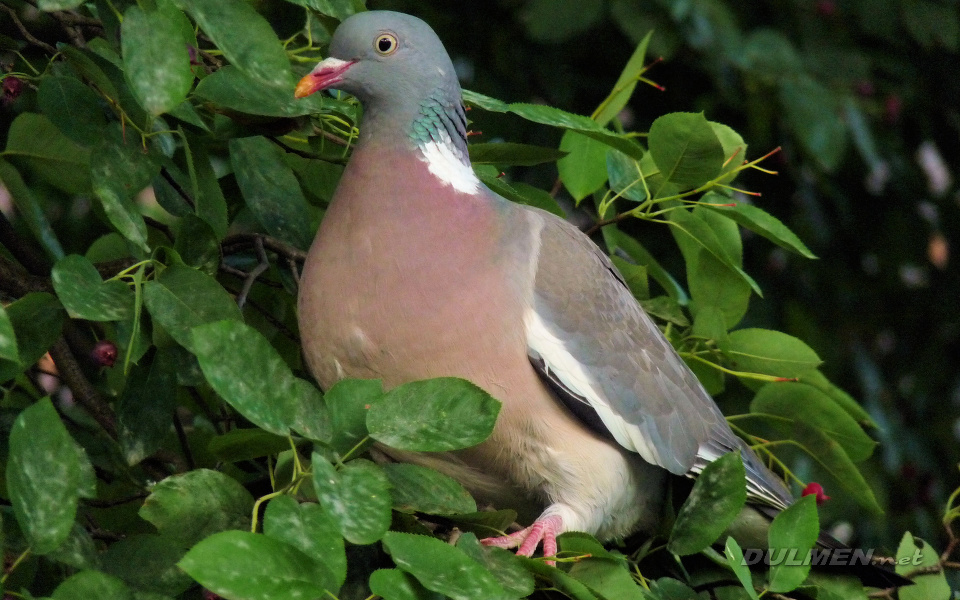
x,y
768,352
912,554
691,230
419,489
247,372
181,298
431,561
394,584
244,444
338,9
155,59
608,578
30,210
792,534
548,115
92,584
232,88
635,276
518,192
502,564
558,579
759,222
45,473
310,529
734,150
146,408
433,415
271,190
248,566
8,339
357,496
73,107
584,169
685,149
86,296
193,505
211,206
348,402
626,176
37,320
78,550
246,39
831,456
37,143
845,400
718,496
119,170
735,559
513,154
715,285
197,244
618,240
801,402
813,112
625,85
147,563
666,308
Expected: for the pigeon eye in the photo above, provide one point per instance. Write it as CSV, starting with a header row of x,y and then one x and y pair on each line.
x,y
386,44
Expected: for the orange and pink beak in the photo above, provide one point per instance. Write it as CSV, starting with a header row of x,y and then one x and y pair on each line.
x,y
326,74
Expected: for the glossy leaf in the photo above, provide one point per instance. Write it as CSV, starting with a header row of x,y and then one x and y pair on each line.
x,y
249,566
734,557
27,203
685,149
246,39
430,560
309,528
145,412
193,505
625,85
233,88
8,339
119,170
155,59
760,222
830,455
912,554
626,176
357,496
247,372
394,584
689,228
37,320
718,496
801,402
433,415
348,402
92,584
180,298
419,489
518,191
148,562
73,107
584,169
86,296
44,476
507,153
792,534
37,143
271,190
245,444
812,111
768,352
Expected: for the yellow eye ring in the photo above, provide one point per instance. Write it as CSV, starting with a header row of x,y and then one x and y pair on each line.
x,y
385,44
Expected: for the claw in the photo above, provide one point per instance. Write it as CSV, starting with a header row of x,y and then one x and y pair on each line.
x,y
528,539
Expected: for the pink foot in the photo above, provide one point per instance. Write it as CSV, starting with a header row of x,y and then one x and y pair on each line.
x,y
528,539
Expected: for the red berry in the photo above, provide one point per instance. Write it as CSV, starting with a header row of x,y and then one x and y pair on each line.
x,y
12,88
814,488
104,354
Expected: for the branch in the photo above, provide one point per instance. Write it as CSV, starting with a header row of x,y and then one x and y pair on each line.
x,y
83,391
24,32
239,241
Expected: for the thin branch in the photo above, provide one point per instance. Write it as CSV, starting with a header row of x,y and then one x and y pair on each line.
x,y
257,271
246,240
17,282
83,391
96,503
24,32
184,444
29,257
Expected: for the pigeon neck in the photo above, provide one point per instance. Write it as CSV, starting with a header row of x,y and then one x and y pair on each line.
x,y
436,130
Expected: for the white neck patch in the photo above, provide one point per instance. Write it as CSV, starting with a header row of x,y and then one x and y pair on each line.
x,y
445,163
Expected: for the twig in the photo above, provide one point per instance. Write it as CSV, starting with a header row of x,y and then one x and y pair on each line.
x,y
97,503
15,280
603,222
83,391
23,30
35,263
184,444
161,227
252,276
245,240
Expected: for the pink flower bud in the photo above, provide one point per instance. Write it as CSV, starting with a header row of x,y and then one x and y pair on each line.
x,y
104,354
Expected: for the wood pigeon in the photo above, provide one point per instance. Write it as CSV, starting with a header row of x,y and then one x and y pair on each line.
x,y
419,270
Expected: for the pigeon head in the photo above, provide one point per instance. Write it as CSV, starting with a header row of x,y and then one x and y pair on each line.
x,y
384,58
